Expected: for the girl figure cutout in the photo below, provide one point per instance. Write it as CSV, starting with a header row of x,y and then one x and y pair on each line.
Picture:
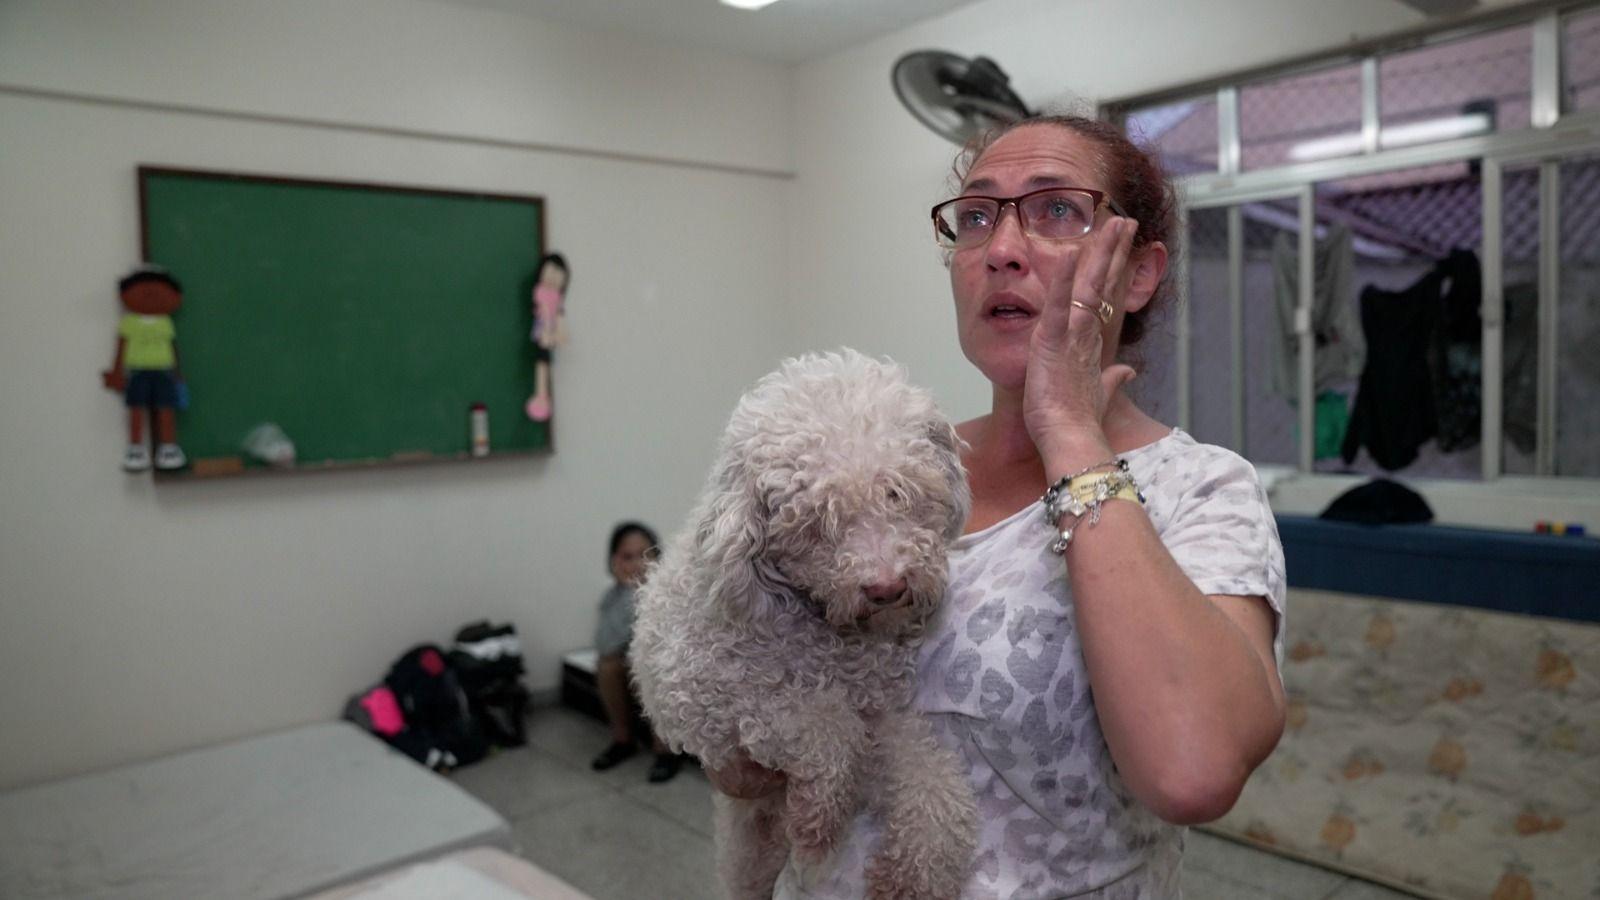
x,y
549,330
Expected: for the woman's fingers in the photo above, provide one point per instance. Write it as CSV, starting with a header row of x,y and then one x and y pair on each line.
x,y
1057,313
1099,275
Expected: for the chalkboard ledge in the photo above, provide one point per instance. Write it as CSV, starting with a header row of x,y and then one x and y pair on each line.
x,y
232,467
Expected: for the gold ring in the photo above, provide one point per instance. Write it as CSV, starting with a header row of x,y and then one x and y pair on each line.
x,y
1104,312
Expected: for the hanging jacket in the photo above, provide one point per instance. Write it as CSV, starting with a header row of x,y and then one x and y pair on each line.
x,y
1394,409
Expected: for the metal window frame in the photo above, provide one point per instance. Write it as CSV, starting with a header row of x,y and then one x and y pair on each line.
x,y
1546,75
1306,389
1553,137
1371,114
1549,313
1431,33
1492,317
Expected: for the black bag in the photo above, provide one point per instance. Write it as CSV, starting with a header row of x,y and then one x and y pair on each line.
x,y
1379,502
488,660
440,731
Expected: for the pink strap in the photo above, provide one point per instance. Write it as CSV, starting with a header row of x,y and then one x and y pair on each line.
x,y
384,711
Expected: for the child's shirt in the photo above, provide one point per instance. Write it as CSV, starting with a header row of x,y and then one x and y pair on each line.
x,y
149,342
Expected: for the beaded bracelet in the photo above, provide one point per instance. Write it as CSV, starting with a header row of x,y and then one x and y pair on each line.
x,y
1084,495
1053,496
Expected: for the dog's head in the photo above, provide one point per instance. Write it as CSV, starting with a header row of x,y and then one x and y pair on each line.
x,y
839,484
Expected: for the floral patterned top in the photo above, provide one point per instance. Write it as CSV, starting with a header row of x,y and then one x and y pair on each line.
x,y
1003,679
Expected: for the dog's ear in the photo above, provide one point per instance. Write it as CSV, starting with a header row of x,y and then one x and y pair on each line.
x,y
948,444
731,536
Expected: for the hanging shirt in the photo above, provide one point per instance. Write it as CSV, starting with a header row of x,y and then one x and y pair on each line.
x,y
1335,327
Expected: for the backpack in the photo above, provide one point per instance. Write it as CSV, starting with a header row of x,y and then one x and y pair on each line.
x,y
421,710
488,661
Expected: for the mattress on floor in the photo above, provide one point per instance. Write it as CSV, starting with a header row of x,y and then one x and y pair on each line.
x,y
482,873
281,815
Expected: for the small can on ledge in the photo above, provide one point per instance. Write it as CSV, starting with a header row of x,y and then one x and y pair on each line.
x,y
479,416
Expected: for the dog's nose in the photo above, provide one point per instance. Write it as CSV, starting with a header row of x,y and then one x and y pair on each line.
x,y
886,593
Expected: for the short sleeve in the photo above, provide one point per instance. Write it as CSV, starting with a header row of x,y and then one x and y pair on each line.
x,y
126,325
1224,537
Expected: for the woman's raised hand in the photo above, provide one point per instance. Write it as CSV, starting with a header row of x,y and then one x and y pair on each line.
x,y
1067,391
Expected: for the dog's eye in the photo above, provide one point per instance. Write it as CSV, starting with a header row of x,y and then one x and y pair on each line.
x,y
895,497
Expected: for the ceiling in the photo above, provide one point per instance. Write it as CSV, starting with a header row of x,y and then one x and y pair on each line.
x,y
789,31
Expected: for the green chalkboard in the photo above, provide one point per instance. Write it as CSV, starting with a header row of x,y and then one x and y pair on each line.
x,y
364,320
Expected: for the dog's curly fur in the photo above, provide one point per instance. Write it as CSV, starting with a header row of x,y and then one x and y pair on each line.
x,y
784,620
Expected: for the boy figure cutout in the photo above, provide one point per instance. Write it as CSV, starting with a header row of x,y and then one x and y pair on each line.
x,y
145,368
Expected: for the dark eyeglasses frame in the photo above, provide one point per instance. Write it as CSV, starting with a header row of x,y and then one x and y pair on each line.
x,y
1099,197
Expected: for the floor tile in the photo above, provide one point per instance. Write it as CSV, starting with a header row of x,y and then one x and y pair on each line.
x,y
522,781
570,736
616,837
614,848
685,799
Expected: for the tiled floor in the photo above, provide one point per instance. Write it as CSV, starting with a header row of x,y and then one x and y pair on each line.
x,y
617,837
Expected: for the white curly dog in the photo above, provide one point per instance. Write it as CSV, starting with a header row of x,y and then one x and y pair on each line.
x,y
784,620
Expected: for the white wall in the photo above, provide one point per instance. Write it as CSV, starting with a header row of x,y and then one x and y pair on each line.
x,y
865,272
138,618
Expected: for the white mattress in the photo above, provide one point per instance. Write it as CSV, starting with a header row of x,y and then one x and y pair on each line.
x,y
281,815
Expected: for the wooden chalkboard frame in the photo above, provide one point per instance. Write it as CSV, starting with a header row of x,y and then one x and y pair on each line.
x,y
398,459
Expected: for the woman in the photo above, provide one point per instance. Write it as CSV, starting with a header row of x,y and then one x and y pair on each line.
x,y
632,547
1158,583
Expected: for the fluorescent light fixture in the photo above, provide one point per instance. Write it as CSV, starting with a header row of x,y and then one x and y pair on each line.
x,y
1423,132
748,4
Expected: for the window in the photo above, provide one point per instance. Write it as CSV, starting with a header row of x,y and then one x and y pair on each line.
x,y
1183,133
1577,326
1312,116
1400,379
1210,334
1580,61
1465,87
1519,342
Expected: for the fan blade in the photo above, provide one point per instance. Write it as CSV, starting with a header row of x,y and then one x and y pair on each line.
x,y
955,97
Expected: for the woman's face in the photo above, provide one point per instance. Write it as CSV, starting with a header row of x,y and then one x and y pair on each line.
x,y
628,563
1001,287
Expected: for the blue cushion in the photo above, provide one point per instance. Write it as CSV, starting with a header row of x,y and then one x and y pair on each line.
x,y
1537,574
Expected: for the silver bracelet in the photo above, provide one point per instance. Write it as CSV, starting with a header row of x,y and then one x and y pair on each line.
x,y
1077,503
1060,544
1085,504
1063,483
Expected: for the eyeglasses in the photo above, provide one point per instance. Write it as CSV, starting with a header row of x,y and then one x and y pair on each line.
x,y
1052,214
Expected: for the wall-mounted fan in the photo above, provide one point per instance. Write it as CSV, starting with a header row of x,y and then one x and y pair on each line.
x,y
955,96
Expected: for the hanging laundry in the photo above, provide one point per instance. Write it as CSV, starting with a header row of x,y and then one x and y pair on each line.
x,y
1335,328
1331,422
1394,409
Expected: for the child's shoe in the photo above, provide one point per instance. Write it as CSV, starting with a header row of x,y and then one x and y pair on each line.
x,y
136,458
170,456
